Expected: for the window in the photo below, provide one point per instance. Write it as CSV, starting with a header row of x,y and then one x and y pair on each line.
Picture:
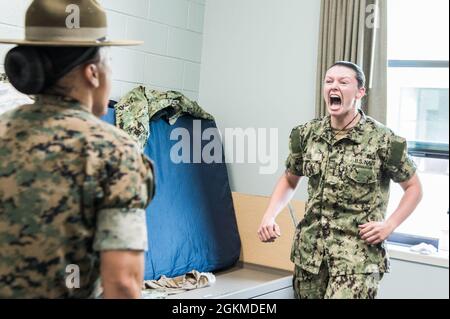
x,y
418,107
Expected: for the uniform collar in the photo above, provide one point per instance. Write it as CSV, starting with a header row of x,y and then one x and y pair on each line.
x,y
60,101
355,134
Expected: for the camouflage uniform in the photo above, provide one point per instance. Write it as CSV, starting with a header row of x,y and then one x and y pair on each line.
x,y
317,286
71,186
348,186
135,110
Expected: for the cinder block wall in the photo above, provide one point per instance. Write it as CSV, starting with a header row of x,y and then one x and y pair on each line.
x,y
172,30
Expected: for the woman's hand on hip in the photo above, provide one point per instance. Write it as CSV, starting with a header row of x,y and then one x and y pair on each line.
x,y
375,232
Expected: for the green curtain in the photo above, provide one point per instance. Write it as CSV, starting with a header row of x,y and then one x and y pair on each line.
x,y
356,31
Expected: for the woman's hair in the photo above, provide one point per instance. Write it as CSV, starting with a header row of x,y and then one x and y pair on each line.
x,y
360,76
36,69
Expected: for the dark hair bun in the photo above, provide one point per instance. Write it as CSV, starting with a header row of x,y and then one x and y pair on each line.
x,y
27,69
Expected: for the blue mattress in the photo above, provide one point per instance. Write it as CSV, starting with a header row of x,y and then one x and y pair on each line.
x,y
191,221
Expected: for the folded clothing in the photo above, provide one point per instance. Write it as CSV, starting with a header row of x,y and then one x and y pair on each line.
x,y
171,286
424,249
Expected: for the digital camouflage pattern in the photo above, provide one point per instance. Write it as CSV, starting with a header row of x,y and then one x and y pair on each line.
x,y
132,115
135,110
71,186
348,186
322,286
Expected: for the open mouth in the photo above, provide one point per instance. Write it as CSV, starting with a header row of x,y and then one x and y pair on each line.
x,y
335,100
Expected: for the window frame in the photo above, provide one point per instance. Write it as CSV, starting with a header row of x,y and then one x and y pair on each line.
x,y
428,149
439,64
420,149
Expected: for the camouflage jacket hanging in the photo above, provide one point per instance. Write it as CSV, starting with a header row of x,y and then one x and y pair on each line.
x,y
135,110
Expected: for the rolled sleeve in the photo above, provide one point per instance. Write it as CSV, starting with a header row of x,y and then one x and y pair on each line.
x,y
399,165
121,229
294,162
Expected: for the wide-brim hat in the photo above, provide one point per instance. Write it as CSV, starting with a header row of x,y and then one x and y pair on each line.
x,y
67,23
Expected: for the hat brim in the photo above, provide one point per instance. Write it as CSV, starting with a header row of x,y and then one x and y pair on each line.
x,y
72,43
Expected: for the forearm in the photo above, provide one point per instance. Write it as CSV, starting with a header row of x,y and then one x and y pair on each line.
x,y
375,232
122,273
283,193
411,198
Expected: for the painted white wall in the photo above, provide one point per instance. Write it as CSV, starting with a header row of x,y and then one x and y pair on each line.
x,y
259,71
172,30
410,280
12,19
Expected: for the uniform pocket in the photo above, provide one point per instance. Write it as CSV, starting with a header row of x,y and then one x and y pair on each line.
x,y
311,168
362,175
360,185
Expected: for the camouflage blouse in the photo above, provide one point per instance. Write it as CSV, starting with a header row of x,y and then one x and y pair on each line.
x,y
71,186
348,186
